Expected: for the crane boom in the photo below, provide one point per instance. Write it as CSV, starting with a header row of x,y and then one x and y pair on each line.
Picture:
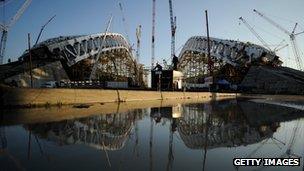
x,y
272,22
138,36
173,29
292,35
255,33
124,21
93,72
42,28
6,27
19,13
153,34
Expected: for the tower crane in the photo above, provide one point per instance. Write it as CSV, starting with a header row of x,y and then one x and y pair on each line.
x,y
255,33
42,28
5,27
93,72
153,34
292,35
261,39
138,36
124,21
173,29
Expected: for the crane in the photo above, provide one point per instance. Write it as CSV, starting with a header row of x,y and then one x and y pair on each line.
x,y
292,35
138,36
276,49
42,28
255,33
124,21
153,34
5,27
93,72
173,29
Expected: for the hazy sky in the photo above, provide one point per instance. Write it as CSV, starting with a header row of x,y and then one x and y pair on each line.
x,y
90,16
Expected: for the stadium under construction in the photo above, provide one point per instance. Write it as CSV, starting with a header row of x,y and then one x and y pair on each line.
x,y
247,66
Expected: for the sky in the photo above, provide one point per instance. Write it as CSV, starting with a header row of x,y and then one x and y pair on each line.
x,y
77,17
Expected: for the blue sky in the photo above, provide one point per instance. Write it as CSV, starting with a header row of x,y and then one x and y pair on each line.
x,y
90,16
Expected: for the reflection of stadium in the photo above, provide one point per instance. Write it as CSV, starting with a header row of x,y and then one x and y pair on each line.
x,y
106,132
221,125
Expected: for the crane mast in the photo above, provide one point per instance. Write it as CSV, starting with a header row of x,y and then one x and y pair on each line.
x,y
5,28
138,36
153,34
292,35
173,29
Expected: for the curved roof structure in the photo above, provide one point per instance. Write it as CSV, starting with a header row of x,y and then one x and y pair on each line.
x,y
103,132
193,60
76,48
79,53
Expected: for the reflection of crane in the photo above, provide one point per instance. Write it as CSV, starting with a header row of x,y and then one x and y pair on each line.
x,y
5,27
42,28
173,29
153,35
3,138
292,35
138,36
151,144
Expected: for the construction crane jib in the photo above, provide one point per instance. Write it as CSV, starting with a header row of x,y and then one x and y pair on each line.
x,y
255,33
292,35
5,28
95,66
138,36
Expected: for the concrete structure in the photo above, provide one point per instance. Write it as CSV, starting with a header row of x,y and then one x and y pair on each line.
x,y
280,80
41,97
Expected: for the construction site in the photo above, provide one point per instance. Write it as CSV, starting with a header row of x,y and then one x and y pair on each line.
x,y
107,60
172,85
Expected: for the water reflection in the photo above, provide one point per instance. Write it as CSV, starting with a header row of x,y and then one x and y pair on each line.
x,y
201,126
157,138
103,132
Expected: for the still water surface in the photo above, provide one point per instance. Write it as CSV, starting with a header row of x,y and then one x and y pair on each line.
x,y
204,136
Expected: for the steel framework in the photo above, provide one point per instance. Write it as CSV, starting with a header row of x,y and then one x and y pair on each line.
x,y
193,58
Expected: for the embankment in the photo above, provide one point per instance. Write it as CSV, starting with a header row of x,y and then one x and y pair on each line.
x,y
25,97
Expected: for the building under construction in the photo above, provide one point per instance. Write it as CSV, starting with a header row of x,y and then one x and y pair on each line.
x,y
72,58
251,67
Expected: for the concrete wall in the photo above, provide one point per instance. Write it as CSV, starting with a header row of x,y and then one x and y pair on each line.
x,y
50,72
41,97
